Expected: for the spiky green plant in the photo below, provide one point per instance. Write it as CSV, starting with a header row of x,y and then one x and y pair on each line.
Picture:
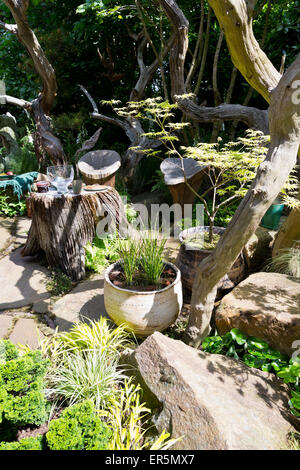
x,y
92,375
97,335
129,419
151,259
129,251
286,262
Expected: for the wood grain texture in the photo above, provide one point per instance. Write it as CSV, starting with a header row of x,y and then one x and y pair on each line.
x,y
63,225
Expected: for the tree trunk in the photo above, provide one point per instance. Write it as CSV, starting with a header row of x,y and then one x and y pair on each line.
x,y
63,225
45,141
288,233
282,155
271,176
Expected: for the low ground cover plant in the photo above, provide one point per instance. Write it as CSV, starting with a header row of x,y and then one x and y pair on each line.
x,y
258,354
22,398
58,283
79,428
9,208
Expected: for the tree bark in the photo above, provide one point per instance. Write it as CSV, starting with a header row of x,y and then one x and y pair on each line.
x,y
235,19
288,233
63,225
45,141
253,118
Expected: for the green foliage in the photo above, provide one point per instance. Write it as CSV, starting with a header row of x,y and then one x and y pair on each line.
x,y
89,375
258,354
127,416
151,257
22,160
9,208
100,253
22,399
58,283
8,351
28,443
129,251
100,336
78,428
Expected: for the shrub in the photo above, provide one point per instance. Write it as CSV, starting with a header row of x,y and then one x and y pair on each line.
x,y
78,428
8,351
28,443
9,208
22,400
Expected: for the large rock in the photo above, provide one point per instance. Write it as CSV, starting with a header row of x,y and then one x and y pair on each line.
x,y
266,305
213,401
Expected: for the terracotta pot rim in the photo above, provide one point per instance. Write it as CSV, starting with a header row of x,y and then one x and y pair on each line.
x,y
135,292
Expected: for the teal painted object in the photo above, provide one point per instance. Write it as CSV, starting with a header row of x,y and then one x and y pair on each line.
x,y
20,184
271,219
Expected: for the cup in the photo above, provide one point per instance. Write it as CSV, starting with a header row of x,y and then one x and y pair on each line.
x,y
77,186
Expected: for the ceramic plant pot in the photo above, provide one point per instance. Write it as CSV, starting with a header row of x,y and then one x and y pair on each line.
x,y
188,261
143,312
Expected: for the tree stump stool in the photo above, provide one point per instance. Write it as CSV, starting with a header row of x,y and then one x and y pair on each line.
x,y
62,225
100,167
176,172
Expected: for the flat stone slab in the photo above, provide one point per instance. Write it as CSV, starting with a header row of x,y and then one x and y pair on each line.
x,y
22,281
6,229
265,305
5,324
22,229
26,332
84,302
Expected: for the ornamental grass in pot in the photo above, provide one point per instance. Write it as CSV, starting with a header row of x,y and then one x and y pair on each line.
x,y
141,290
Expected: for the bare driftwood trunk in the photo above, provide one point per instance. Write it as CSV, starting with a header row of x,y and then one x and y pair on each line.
x,y
63,225
132,127
45,141
284,119
252,117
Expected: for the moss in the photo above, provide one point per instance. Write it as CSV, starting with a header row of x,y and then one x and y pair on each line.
x,y
205,244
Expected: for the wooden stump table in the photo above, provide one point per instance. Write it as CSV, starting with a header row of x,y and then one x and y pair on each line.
x,y
62,225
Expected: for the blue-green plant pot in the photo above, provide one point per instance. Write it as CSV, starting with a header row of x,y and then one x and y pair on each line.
x,y
271,219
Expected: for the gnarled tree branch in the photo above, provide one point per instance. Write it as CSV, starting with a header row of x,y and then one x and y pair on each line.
x,y
252,117
45,141
235,19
